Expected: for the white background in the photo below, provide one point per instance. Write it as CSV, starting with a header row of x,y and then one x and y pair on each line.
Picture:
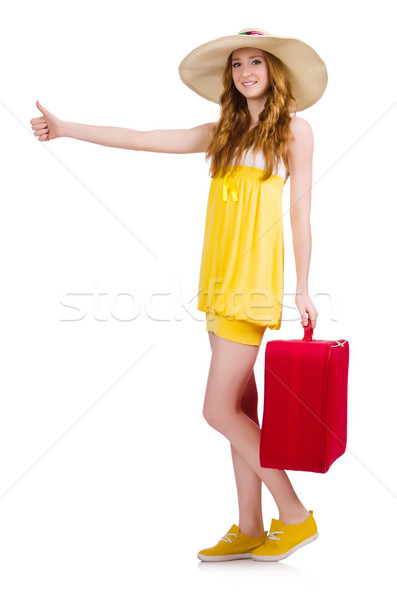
x,y
111,480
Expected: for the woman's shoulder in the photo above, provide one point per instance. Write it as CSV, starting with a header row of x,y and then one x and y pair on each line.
x,y
300,150
300,127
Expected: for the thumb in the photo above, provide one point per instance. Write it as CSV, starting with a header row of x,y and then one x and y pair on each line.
x,y
304,319
40,107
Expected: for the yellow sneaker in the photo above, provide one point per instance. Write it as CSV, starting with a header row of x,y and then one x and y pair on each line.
x,y
232,546
283,539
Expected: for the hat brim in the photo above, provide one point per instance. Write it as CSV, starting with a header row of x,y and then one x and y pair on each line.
x,y
202,69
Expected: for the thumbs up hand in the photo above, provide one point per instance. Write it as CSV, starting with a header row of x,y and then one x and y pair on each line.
x,y
48,127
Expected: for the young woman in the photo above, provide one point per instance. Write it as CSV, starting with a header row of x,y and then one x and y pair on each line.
x,y
255,146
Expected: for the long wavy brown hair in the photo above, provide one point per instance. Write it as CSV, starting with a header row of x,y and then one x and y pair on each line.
x,y
231,136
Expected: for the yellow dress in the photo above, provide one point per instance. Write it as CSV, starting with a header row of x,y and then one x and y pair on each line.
x,y
242,263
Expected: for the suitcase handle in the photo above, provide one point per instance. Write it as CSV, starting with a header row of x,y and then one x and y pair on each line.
x,y
308,332
308,336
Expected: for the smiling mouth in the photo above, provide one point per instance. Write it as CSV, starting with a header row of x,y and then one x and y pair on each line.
x,y
249,84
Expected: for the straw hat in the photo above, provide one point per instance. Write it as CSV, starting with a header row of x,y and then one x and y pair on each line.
x,y
202,69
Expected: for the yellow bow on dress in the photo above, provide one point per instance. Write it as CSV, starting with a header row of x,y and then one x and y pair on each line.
x,y
228,185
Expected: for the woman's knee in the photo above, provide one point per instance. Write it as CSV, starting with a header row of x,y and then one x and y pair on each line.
x,y
220,409
209,416
222,418
231,369
213,413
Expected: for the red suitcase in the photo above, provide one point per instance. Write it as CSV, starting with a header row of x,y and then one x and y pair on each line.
x,y
304,425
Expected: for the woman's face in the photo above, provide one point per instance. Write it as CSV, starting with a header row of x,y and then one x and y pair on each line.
x,y
249,65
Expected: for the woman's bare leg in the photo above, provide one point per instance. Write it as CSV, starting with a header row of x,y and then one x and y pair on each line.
x,y
230,370
249,485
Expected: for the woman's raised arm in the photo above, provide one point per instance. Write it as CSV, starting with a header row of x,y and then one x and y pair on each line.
x,y
174,141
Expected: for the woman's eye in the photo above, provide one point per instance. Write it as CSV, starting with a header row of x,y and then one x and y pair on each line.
x,y
256,60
